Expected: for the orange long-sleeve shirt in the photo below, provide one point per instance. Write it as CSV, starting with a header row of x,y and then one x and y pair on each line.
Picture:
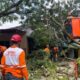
x,y
2,48
12,59
47,50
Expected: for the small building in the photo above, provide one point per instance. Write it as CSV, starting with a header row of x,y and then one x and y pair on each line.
x,y
7,32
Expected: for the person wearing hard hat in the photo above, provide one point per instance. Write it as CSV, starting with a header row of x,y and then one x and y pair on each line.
x,y
47,50
13,61
56,53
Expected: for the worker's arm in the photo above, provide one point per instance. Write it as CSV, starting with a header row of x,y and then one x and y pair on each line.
x,y
3,65
3,48
3,60
23,65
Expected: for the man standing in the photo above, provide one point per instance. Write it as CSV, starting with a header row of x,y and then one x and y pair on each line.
x,y
13,61
47,50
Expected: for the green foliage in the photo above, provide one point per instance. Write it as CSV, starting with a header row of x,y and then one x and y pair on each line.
x,y
78,60
40,66
34,9
40,16
38,54
41,21
42,37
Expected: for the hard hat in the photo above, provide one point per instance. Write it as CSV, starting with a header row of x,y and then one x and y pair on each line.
x,y
16,38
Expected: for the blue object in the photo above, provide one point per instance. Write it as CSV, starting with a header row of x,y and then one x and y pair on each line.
x,y
9,76
69,28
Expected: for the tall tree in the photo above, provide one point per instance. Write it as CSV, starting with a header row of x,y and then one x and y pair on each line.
x,y
36,13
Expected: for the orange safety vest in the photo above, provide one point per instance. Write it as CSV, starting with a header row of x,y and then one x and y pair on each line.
x,y
12,58
47,50
55,49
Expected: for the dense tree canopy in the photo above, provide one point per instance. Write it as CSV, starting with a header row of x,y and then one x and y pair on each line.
x,y
36,9
47,14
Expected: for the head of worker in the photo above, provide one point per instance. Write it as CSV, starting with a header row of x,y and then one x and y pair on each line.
x,y
15,39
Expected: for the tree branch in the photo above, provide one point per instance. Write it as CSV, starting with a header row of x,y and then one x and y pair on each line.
x,y
7,11
5,14
64,31
14,5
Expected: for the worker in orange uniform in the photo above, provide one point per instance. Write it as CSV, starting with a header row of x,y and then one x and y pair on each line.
x,y
47,50
2,49
56,53
13,61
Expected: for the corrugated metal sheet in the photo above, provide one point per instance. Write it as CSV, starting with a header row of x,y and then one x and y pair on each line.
x,y
9,25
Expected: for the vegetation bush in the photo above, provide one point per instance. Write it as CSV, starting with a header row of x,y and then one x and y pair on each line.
x,y
40,65
42,68
78,62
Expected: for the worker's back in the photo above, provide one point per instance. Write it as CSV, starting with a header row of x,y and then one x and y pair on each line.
x,y
12,56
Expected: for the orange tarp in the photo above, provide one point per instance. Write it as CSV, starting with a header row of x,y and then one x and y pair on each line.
x,y
76,27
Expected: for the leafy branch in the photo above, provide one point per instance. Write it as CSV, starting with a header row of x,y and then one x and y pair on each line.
x,y
9,10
